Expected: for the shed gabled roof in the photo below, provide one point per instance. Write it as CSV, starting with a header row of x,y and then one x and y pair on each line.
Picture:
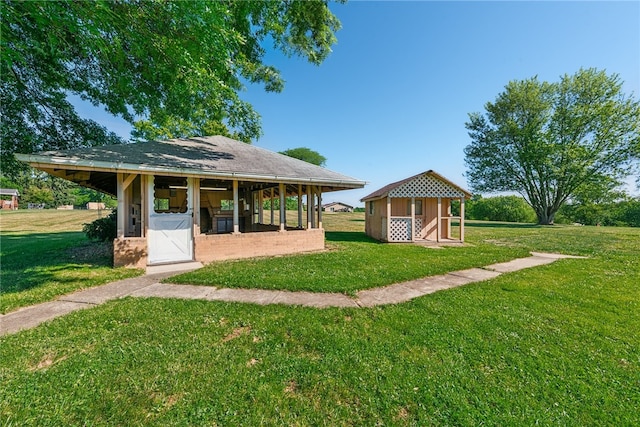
x,y
9,192
327,205
425,184
216,157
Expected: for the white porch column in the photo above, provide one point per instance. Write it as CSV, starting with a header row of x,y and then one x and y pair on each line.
x,y
120,220
236,214
271,206
309,208
314,206
319,207
283,206
388,236
144,204
462,219
413,219
299,205
196,206
439,227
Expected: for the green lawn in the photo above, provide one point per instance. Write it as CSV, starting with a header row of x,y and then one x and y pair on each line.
x,y
351,262
552,345
44,254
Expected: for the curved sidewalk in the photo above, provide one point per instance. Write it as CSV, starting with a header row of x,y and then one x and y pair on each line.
x,y
150,286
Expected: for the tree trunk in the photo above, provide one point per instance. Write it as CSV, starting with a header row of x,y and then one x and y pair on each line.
x,y
545,216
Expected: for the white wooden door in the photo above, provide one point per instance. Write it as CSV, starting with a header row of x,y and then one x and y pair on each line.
x,y
170,235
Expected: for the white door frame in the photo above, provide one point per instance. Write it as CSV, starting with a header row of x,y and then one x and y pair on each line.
x,y
169,235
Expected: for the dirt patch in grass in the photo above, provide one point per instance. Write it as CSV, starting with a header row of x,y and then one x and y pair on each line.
x,y
237,332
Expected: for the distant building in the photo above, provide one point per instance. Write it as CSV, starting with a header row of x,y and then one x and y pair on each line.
x,y
95,206
337,207
9,198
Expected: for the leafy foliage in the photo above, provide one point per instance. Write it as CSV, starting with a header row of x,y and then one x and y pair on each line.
x,y
102,229
172,65
625,212
500,208
548,141
41,188
306,154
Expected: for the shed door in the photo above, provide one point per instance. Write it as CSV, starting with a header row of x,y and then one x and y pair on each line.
x,y
170,232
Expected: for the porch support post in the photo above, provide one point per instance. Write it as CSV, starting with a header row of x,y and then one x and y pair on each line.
x,y
236,214
144,205
299,205
309,208
413,219
319,207
388,236
120,220
462,219
261,206
283,206
271,205
439,227
314,206
196,205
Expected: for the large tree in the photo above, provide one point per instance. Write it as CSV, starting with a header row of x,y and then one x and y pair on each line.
x,y
306,154
548,141
175,67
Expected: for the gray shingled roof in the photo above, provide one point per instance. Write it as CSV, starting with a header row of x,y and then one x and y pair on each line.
x,y
211,157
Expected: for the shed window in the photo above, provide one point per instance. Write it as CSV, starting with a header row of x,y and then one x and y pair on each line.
x,y
418,207
370,208
226,205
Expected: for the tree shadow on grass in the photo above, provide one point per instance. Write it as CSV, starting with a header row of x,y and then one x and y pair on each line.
x,y
32,260
348,236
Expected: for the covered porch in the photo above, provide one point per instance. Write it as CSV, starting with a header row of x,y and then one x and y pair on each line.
x,y
430,218
164,219
201,199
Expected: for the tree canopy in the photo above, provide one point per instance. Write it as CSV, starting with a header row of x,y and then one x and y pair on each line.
x,y
306,154
173,67
550,141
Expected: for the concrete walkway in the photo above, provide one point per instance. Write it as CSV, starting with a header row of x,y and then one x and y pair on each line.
x,y
150,286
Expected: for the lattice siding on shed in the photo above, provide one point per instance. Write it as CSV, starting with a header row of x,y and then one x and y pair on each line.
x,y
418,225
400,230
425,186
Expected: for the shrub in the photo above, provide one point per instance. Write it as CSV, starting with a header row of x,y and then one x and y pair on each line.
x,y
500,208
102,229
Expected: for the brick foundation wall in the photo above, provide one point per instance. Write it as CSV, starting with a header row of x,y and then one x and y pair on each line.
x,y
130,252
218,247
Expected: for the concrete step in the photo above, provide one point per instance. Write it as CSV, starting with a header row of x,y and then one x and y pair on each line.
x,y
173,268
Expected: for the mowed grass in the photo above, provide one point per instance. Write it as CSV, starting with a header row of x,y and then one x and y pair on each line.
x,y
351,262
551,345
44,254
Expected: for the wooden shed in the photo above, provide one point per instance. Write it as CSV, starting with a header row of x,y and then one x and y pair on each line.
x,y
9,198
200,199
414,209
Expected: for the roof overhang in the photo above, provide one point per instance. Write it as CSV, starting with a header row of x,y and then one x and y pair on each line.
x,y
45,162
216,157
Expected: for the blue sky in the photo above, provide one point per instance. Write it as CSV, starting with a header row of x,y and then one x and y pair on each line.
x,y
392,99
